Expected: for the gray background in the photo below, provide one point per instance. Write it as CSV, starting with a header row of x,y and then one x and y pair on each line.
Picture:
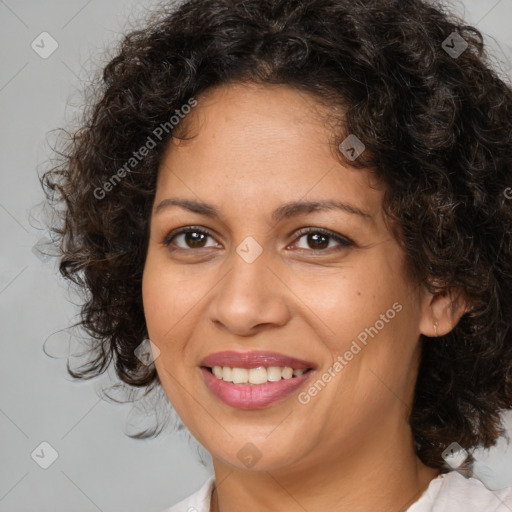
x,y
98,468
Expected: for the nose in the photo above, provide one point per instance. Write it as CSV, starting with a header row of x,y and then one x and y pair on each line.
x,y
250,298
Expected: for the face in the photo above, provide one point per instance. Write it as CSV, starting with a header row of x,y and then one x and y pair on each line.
x,y
267,282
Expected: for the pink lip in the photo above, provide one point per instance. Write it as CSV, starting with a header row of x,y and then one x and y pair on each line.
x,y
253,359
252,396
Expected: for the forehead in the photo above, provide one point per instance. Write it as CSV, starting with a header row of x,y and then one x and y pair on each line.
x,y
244,115
245,142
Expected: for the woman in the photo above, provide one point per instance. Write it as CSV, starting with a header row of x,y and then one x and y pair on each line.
x,y
303,205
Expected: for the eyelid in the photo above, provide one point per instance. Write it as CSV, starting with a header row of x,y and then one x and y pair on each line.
x,y
343,241
186,229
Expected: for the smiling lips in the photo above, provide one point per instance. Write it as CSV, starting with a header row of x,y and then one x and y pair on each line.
x,y
250,380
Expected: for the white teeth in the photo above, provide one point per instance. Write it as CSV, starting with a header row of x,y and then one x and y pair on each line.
x,y
274,373
218,372
287,372
259,375
240,375
226,373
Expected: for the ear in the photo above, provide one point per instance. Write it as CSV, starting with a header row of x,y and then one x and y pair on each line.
x,y
441,311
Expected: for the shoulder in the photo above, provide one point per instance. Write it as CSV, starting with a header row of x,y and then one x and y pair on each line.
x,y
451,492
197,502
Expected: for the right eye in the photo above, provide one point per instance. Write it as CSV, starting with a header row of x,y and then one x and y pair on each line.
x,y
190,237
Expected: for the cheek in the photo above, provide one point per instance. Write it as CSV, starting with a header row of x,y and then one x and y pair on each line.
x,y
366,314
160,298
163,309
155,303
173,297
349,300
167,296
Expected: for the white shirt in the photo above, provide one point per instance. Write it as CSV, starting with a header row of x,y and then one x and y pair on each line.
x,y
449,492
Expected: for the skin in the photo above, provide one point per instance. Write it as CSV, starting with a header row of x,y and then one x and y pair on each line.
x,y
253,148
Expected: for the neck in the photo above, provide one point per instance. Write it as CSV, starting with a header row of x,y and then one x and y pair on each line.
x,y
379,477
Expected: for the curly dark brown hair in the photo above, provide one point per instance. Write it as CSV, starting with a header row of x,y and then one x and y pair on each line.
x,y
435,118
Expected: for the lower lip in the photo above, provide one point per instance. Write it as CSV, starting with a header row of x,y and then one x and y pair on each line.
x,y
252,396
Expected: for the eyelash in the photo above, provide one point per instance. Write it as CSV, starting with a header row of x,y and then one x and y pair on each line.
x,y
344,242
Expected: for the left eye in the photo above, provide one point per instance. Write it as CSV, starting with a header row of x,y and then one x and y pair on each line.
x,y
317,239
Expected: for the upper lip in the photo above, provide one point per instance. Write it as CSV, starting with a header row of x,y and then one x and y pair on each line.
x,y
253,359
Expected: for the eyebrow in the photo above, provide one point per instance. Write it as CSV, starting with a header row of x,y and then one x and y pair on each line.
x,y
285,211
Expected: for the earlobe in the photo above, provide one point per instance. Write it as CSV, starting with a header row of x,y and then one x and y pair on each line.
x,y
441,312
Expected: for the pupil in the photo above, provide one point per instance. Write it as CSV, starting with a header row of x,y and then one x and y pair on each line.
x,y
317,240
194,242
315,237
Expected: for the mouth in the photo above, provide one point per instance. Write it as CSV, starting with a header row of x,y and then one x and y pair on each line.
x,y
255,376
253,380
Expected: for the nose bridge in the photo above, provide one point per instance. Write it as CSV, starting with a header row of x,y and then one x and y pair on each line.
x,y
249,295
